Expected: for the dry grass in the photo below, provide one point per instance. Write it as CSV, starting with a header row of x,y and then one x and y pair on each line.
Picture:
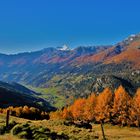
x,y
72,131
111,132
118,133
8,137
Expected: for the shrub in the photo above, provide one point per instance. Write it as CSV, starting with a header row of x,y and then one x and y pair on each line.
x,y
23,134
16,129
11,124
27,131
2,129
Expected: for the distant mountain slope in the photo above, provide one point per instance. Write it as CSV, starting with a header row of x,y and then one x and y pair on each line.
x,y
130,54
26,67
17,95
125,51
13,86
74,71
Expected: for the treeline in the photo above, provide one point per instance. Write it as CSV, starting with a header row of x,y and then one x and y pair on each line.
x,y
26,112
118,108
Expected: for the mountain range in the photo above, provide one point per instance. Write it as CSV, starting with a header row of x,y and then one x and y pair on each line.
x,y
79,71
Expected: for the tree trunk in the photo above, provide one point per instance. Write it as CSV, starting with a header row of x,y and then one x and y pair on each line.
x,y
102,128
7,118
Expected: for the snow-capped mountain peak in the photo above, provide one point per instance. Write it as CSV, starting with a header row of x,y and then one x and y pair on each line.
x,y
64,48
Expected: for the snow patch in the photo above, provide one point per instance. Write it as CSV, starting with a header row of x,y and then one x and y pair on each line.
x,y
64,48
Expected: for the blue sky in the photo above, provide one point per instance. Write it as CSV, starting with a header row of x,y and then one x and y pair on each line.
x,y
28,25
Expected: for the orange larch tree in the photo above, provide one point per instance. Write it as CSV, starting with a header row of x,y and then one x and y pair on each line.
x,y
135,109
104,105
67,114
77,109
26,110
89,108
121,107
18,111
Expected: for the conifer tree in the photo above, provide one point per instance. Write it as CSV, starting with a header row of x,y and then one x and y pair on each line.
x,y
77,109
104,105
89,109
121,107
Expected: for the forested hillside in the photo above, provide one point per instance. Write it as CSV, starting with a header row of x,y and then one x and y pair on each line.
x,y
63,73
117,108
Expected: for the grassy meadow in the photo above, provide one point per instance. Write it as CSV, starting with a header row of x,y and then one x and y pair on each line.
x,y
55,129
51,95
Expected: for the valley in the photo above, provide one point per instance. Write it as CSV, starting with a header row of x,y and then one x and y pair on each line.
x,y
50,86
69,70
62,74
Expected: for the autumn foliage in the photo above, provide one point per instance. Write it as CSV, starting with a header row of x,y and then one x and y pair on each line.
x,y
121,107
26,112
116,107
